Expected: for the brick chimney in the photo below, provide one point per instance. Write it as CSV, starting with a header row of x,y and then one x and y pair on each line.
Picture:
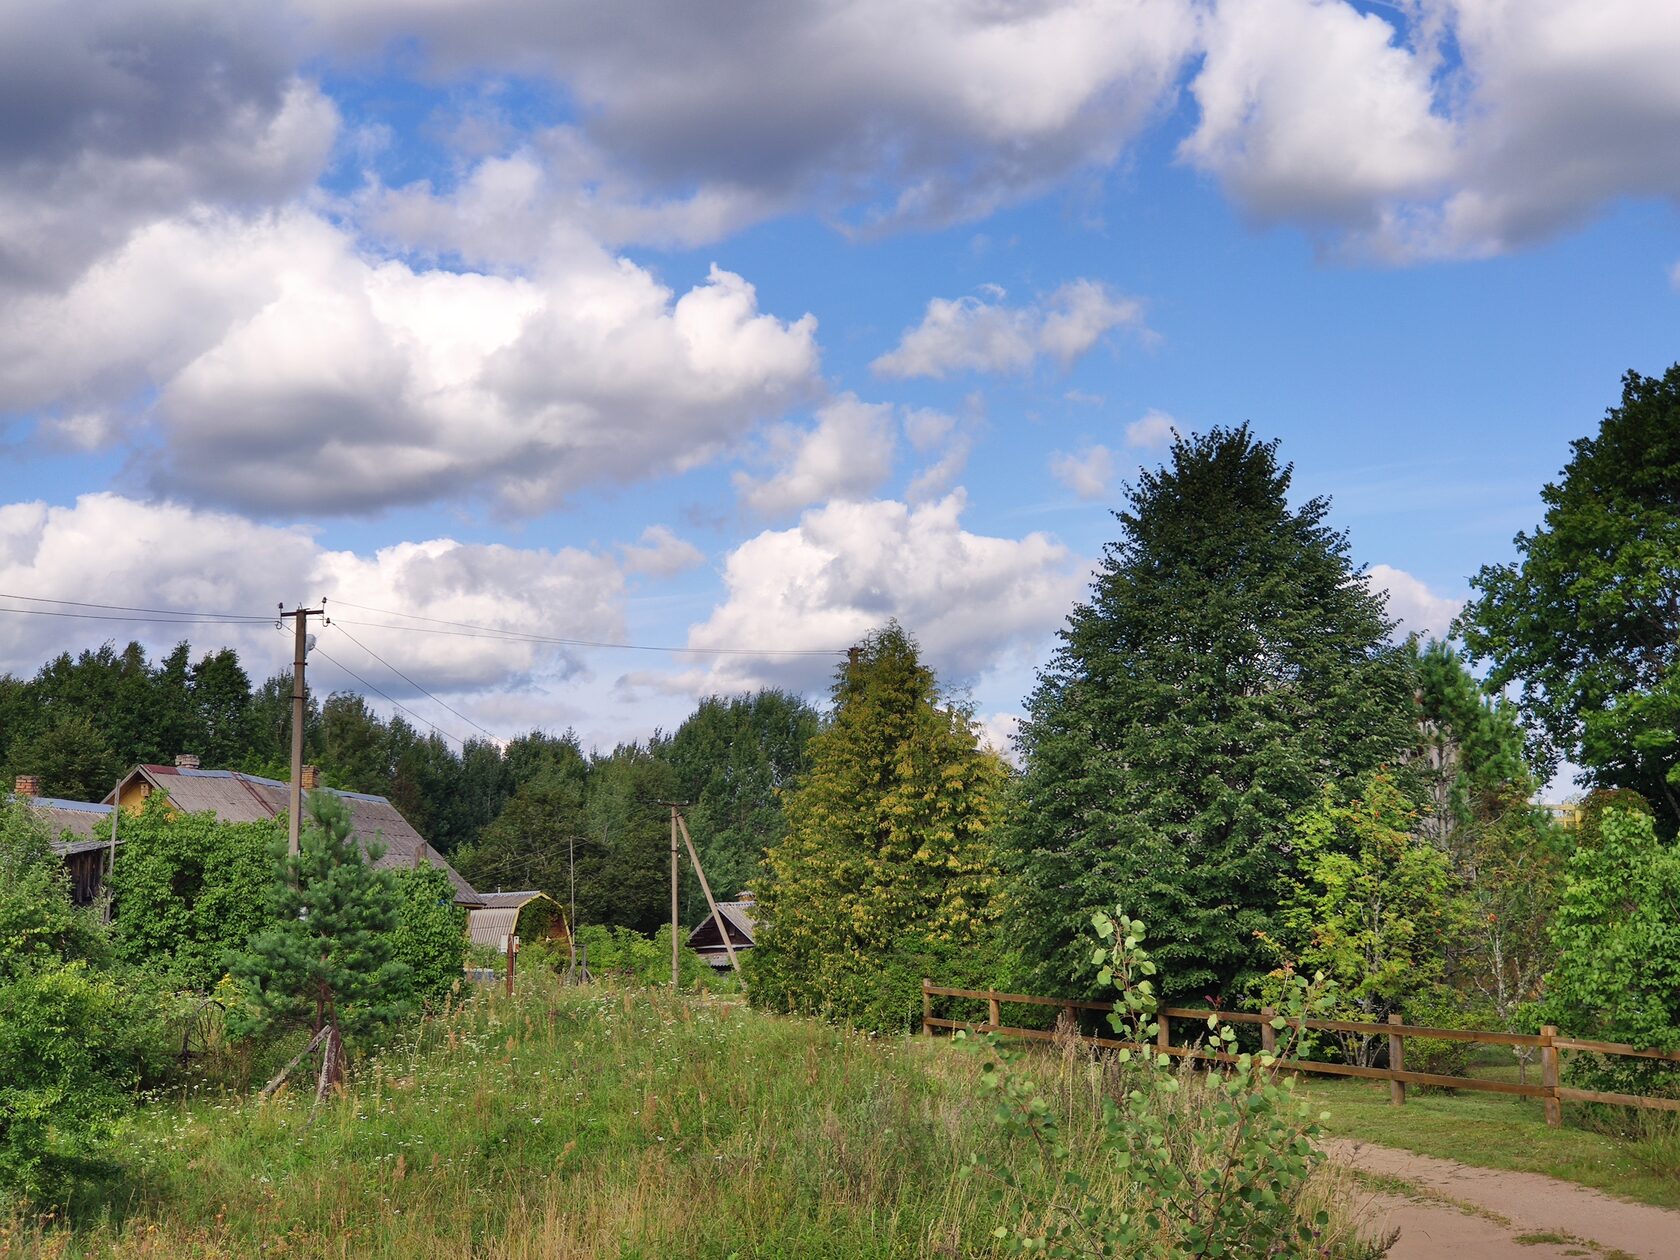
x,y
28,785
311,778
186,761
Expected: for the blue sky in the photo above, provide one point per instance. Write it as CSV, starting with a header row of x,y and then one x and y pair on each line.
x,y
753,328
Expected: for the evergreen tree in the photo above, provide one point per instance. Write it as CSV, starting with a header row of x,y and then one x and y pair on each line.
x,y
887,871
327,955
1586,622
532,842
1230,662
631,883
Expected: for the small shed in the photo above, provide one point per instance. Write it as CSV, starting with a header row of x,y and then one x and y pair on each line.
x,y
739,919
531,915
81,836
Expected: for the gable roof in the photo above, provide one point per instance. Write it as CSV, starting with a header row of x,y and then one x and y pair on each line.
x,y
737,914
89,824
234,796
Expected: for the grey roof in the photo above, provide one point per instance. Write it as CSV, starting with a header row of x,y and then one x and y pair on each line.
x,y
498,900
738,914
500,915
88,824
236,797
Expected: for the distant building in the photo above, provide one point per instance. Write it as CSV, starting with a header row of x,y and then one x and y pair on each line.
x,y
530,915
740,921
81,833
1565,813
236,797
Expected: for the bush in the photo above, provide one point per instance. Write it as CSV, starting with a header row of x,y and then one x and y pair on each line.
x,y
625,954
430,936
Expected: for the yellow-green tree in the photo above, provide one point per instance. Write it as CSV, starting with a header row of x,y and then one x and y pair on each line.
x,y
887,872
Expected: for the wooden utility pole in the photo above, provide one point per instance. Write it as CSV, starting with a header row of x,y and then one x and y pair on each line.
x,y
300,623
111,852
676,945
717,918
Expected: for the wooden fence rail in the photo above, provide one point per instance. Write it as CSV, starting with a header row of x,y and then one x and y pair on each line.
x,y
1547,1041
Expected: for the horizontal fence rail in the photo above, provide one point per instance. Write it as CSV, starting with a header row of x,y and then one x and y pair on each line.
x,y
1547,1042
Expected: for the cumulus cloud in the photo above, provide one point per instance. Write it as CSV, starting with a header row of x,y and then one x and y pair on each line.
x,y
1418,609
1087,472
293,373
173,556
660,553
983,334
997,732
847,454
894,113
847,568
1459,128
1153,431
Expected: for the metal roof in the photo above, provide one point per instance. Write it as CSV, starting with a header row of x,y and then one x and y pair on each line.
x,y
84,820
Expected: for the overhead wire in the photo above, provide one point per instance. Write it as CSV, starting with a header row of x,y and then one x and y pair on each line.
x,y
186,615
387,664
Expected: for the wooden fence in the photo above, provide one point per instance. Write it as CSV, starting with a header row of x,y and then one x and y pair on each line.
x,y
1550,1045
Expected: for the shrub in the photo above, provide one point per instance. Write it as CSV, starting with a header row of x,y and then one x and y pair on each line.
x,y
624,953
430,936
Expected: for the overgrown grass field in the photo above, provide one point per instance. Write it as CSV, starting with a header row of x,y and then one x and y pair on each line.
x,y
597,1122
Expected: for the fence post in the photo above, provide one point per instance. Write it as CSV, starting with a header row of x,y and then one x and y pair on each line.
x,y
1396,1063
992,1011
1163,1031
1549,1075
1268,1034
927,1007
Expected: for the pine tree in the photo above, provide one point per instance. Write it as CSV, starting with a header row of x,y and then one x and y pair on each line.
x,y
327,955
888,861
1231,660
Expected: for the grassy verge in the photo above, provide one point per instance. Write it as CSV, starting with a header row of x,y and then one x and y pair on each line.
x,y
589,1123
1497,1131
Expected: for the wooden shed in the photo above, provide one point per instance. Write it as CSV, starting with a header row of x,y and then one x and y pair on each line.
x,y
739,918
531,915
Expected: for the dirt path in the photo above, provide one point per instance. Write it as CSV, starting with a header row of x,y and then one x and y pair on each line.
x,y
1492,1214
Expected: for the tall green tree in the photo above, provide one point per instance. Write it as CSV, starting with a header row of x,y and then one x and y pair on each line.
x,y
888,870
629,884
1230,661
539,835
71,757
1472,746
1586,621
326,957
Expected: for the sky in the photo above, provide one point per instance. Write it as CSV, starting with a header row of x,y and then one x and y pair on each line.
x,y
511,326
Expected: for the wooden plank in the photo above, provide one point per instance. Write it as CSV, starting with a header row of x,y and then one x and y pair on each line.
x,y
1397,1065
1025,999
1616,1047
1619,1100
1549,1076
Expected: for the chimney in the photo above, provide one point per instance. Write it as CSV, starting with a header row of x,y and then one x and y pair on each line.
x,y
311,779
28,785
186,761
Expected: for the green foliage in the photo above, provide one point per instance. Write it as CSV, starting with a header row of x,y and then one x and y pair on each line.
x,y
189,890
888,858
325,956
70,757
1585,621
1618,941
624,954
1230,662
430,935
1374,909
38,923
542,828
1226,1177
733,759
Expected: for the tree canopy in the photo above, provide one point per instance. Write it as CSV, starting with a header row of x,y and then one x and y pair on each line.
x,y
1229,662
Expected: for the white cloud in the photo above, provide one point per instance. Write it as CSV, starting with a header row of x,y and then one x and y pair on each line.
x,y
847,568
168,555
1460,128
867,108
1418,609
983,334
660,553
847,454
1087,472
292,373
1153,431
997,732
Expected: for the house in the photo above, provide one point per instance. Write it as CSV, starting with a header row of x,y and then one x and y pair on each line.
x,y
529,915
739,918
237,797
81,834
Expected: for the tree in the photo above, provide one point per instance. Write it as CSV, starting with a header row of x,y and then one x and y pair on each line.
x,y
430,938
734,758
188,890
540,831
1586,622
1618,942
628,882
888,859
1374,908
1231,660
326,956
71,758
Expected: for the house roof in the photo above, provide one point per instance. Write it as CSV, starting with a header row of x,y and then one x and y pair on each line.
x,y
237,797
737,914
500,915
89,824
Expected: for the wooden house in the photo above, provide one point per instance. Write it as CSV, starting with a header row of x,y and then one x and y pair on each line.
x,y
81,832
740,922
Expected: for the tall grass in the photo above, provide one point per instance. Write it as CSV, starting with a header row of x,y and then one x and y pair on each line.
x,y
594,1122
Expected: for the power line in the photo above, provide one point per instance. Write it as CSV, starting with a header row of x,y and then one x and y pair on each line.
x,y
463,627
426,722
168,612
166,621
387,664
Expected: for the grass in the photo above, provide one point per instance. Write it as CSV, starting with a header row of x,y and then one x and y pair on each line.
x,y
1499,1131
601,1122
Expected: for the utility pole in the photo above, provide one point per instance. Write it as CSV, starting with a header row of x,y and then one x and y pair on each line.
x,y
675,943
300,623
